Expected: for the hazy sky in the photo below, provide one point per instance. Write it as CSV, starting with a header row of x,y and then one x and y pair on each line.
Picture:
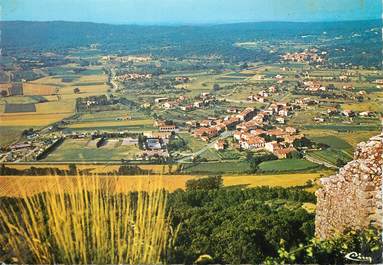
x,y
189,11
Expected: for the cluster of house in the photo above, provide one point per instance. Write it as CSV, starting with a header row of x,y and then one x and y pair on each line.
x,y
213,127
167,103
155,145
132,76
281,144
346,113
262,96
311,55
280,111
126,59
245,120
379,83
313,86
303,102
349,113
30,150
182,79
204,100
165,126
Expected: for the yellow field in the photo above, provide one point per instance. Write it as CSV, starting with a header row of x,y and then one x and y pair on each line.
x,y
281,180
364,106
55,110
110,123
31,89
16,185
54,107
33,120
66,89
5,85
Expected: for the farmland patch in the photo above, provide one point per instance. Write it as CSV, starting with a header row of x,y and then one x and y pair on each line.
x,y
16,108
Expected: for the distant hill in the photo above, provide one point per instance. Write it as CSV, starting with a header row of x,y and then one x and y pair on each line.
x,y
176,40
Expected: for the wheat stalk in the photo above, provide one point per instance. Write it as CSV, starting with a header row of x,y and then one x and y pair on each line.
x,y
83,219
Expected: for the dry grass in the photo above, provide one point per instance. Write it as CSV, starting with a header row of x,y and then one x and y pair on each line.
x,y
86,220
281,180
56,107
54,110
33,120
10,185
5,86
16,186
364,106
30,89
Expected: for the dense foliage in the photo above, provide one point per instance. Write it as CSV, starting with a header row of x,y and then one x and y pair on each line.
x,y
256,225
366,243
238,225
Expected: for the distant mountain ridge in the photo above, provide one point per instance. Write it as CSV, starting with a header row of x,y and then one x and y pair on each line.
x,y
63,34
196,40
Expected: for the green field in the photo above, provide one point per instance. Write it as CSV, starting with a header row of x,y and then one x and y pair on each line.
x,y
193,143
333,141
287,165
82,150
343,128
211,155
236,167
10,134
330,155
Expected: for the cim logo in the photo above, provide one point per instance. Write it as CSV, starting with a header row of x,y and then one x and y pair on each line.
x,y
358,257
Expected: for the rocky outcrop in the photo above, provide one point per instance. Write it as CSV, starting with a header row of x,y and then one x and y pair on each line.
x,y
353,197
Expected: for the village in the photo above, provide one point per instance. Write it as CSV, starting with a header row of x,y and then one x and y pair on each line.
x,y
256,129
142,109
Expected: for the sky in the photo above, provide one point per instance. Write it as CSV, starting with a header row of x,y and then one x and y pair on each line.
x,y
189,11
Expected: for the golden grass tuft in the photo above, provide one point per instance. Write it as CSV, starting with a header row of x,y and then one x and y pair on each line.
x,y
90,223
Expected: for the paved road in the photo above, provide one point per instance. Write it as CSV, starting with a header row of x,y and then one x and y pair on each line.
x,y
320,162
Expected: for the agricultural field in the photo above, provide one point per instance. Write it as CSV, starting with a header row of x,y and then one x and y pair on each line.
x,y
331,155
227,167
204,82
89,85
133,124
364,106
99,168
330,137
193,143
10,134
273,180
35,89
15,185
86,150
50,108
30,120
287,165
333,141
113,115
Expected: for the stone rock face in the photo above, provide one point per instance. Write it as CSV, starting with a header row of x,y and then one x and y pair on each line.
x,y
353,197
